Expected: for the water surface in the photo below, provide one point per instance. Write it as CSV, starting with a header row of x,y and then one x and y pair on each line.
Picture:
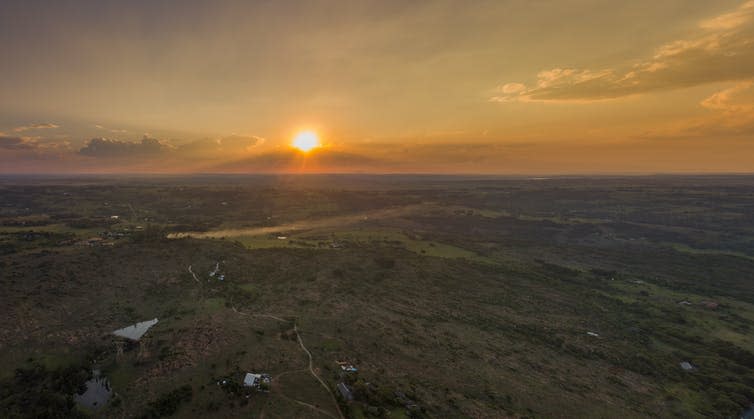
x,y
97,392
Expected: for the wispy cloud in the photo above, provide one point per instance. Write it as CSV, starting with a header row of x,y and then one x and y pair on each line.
x,y
113,130
46,125
232,145
728,100
722,50
730,114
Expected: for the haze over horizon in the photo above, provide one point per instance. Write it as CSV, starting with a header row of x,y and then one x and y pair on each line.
x,y
499,87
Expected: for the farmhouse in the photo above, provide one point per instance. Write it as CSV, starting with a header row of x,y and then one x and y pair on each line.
x,y
347,367
258,381
252,380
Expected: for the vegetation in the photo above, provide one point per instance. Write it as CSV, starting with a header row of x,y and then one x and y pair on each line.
x,y
168,403
454,297
38,392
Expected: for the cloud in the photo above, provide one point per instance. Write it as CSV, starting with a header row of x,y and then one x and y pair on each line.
x,y
728,100
731,20
105,148
217,147
731,112
723,50
113,130
19,152
46,125
8,142
730,115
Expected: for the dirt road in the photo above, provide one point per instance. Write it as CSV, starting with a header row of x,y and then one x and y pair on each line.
x,y
335,221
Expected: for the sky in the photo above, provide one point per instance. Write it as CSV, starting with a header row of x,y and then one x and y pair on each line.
x,y
498,87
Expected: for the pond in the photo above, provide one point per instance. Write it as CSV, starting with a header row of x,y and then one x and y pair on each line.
x,y
97,392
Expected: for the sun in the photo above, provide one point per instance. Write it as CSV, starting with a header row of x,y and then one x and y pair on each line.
x,y
305,141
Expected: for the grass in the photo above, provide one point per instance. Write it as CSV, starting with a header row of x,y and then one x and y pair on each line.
x,y
302,386
688,249
54,228
53,360
364,236
331,345
248,287
414,244
263,242
214,304
121,375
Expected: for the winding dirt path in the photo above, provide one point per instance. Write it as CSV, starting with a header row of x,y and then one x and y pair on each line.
x,y
311,369
311,365
192,273
308,354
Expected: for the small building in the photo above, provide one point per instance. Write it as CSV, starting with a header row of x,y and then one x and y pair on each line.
x,y
347,366
252,380
686,366
131,336
345,392
259,381
135,331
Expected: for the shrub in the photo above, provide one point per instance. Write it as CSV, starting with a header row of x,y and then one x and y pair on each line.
x,y
168,403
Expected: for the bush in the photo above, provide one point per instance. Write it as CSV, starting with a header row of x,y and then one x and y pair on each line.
x,y
168,403
38,392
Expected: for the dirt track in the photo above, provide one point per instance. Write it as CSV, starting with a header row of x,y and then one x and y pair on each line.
x,y
311,363
335,221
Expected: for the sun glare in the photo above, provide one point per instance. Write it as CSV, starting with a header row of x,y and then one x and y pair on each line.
x,y
306,141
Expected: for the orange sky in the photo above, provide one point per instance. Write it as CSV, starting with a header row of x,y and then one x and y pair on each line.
x,y
503,86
